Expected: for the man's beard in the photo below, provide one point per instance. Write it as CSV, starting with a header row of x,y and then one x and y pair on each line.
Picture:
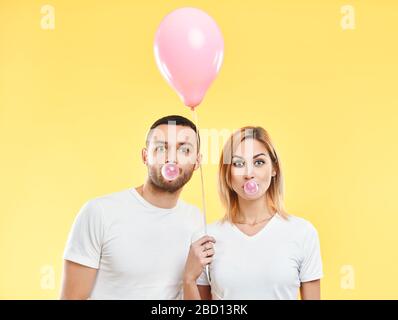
x,y
158,181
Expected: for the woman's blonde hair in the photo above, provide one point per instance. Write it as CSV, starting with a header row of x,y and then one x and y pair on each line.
x,y
229,197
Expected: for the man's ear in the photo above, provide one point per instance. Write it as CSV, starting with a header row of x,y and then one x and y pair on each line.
x,y
198,161
144,155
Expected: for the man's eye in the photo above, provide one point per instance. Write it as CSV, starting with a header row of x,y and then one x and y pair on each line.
x,y
259,163
160,148
238,164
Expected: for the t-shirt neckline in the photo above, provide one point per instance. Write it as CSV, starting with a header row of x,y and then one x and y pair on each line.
x,y
150,206
263,230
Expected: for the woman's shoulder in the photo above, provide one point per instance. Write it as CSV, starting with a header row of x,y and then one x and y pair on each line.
x,y
298,223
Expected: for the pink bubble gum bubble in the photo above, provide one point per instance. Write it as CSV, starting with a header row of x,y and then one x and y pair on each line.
x,y
170,171
250,187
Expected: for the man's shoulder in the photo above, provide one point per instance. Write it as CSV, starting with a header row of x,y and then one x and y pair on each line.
x,y
110,203
189,208
113,197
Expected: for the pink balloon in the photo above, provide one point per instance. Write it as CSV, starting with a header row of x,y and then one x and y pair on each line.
x,y
189,50
170,171
250,187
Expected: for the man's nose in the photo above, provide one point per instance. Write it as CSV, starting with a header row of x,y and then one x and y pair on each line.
x,y
171,156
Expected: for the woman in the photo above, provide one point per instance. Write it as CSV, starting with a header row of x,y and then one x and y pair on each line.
x,y
257,251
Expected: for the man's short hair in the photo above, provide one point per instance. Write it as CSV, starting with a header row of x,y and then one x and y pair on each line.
x,y
174,120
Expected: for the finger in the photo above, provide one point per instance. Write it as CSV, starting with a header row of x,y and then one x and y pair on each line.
x,y
209,252
206,261
204,239
207,246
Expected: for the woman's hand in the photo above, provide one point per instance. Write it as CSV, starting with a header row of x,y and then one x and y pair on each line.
x,y
200,254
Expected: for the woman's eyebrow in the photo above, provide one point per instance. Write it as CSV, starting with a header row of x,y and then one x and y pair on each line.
x,y
186,142
260,154
256,156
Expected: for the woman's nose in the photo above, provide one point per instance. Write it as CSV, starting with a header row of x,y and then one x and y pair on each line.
x,y
249,176
249,173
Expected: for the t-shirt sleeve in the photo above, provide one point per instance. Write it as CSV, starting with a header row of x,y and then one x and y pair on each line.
x,y
203,279
199,226
86,236
311,265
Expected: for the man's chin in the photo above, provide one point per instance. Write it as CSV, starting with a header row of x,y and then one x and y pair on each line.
x,y
172,186
168,190
169,186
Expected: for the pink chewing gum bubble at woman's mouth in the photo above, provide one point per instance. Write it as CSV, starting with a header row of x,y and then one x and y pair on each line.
x,y
250,187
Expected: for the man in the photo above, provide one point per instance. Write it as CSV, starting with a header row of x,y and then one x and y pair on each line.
x,y
133,244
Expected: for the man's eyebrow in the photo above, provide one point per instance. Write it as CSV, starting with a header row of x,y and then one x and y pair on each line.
x,y
178,143
159,142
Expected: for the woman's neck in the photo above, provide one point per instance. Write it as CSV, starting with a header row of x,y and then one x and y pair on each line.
x,y
252,211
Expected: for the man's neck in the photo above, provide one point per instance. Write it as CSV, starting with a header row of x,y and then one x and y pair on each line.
x,y
158,197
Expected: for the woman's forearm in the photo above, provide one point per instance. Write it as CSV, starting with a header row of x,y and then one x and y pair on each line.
x,y
191,291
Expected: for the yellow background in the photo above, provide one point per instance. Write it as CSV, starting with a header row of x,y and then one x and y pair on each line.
x,y
76,102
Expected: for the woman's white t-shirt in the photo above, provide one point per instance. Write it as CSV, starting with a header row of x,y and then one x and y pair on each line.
x,y
269,265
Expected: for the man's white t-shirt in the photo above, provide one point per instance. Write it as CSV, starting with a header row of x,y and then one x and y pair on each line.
x,y
139,250
269,265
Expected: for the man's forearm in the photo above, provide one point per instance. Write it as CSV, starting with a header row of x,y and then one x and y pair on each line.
x,y
191,291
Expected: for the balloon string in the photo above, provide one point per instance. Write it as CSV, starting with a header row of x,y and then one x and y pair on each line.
x,y
201,171
202,184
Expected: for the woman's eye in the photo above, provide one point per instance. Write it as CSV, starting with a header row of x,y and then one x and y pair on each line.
x,y
184,150
238,164
259,163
